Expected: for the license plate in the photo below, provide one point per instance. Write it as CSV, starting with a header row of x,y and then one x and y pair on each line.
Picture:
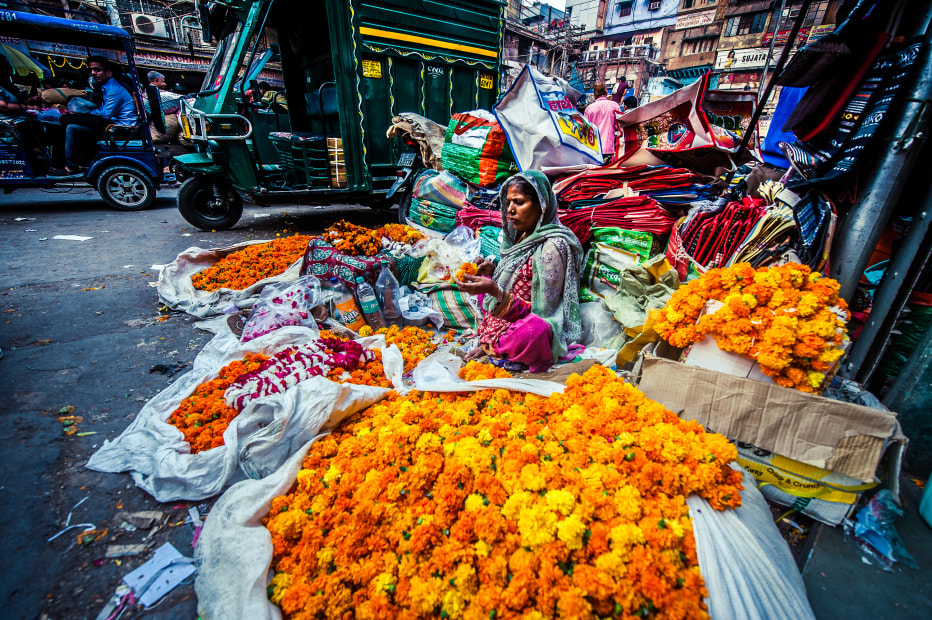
x,y
406,159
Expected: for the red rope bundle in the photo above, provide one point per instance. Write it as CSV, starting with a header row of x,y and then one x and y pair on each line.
x,y
636,213
712,238
477,218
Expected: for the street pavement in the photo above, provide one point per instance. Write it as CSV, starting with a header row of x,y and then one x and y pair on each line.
x,y
85,344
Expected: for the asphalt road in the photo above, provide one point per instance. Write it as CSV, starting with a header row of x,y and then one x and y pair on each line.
x,y
81,328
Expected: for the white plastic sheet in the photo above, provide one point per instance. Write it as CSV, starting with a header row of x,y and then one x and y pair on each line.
x,y
747,566
257,441
177,292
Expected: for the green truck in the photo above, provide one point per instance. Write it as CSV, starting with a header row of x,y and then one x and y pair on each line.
x,y
338,72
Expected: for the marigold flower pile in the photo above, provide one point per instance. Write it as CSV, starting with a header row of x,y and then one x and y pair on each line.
x,y
496,504
788,319
414,343
476,371
466,269
204,415
243,268
354,240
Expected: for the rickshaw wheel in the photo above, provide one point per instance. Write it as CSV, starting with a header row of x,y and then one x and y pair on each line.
x,y
126,188
197,205
404,208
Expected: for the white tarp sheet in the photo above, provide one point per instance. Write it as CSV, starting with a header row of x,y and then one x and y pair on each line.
x,y
257,441
177,292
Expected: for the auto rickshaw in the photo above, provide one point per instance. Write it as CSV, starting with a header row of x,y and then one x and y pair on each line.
x,y
339,70
125,168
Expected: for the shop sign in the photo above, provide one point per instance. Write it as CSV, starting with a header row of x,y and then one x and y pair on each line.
x,y
820,31
171,61
784,35
750,58
58,49
693,20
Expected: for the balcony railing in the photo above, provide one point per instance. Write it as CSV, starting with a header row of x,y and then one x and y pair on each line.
x,y
646,51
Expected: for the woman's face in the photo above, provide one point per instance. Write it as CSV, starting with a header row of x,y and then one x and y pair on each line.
x,y
523,211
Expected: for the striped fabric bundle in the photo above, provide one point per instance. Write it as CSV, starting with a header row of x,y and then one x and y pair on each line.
x,y
667,185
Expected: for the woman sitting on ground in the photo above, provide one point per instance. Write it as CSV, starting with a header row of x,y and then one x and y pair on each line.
x,y
531,302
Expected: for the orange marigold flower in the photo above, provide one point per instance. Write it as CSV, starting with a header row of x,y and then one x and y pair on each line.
x,y
243,268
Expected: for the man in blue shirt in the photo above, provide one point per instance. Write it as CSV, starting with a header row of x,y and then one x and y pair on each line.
x,y
82,130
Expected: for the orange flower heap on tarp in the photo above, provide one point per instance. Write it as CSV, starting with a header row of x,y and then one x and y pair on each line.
x,y
204,415
243,268
501,505
354,240
414,343
788,319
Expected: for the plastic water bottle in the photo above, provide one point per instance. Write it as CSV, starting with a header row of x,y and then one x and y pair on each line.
x,y
347,311
386,290
370,305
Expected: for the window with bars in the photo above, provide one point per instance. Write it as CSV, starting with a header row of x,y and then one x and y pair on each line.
x,y
749,23
624,8
687,4
697,46
653,5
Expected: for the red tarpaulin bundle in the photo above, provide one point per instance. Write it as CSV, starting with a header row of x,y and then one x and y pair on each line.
x,y
595,182
636,213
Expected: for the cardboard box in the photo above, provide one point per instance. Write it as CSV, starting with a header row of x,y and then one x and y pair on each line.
x,y
828,434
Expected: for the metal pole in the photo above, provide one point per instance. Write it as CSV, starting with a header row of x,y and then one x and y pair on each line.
x,y
784,56
866,221
903,271
773,43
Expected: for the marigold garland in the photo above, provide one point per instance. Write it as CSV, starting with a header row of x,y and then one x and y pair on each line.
x,y
204,415
354,240
243,268
788,319
501,505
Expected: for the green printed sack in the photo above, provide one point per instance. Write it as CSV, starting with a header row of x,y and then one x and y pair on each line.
x,y
634,242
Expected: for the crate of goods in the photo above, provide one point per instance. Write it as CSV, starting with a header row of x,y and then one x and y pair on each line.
x,y
303,158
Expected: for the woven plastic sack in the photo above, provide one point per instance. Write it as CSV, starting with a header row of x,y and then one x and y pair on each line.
x,y
476,150
543,125
432,215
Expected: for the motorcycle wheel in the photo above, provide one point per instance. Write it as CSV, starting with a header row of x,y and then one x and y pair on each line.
x,y
404,208
197,205
126,188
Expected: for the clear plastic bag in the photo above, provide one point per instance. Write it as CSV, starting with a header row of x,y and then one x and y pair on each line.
x,y
283,304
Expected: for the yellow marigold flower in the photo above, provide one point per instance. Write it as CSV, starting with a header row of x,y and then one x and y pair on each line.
x,y
332,475
384,583
428,440
483,549
516,503
277,587
537,526
561,501
624,536
474,502
571,531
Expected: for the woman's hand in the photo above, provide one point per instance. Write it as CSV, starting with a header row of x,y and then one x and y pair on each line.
x,y
485,267
480,285
474,354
